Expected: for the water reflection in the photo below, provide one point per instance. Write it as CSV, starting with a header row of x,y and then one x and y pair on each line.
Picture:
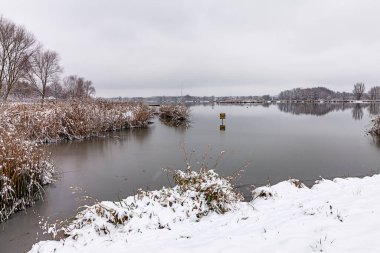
x,y
320,109
357,112
178,125
104,143
374,109
375,141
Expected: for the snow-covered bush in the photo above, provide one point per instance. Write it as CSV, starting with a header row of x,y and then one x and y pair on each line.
x,y
217,191
174,114
73,119
375,130
195,195
24,169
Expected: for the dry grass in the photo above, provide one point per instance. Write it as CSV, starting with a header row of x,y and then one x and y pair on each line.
x,y
73,119
218,191
174,114
24,169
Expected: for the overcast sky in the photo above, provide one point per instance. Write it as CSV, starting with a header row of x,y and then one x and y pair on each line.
x,y
145,48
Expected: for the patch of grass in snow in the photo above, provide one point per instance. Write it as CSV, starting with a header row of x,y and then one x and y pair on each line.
x,y
321,245
24,169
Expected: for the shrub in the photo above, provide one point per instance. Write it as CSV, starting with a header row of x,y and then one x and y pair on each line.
x,y
375,130
174,114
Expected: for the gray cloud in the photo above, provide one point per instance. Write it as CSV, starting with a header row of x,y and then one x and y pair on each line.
x,y
208,47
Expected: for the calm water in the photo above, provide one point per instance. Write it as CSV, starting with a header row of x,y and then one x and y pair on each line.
x,y
278,141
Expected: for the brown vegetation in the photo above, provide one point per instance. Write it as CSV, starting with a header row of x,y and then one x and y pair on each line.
x,y
24,169
70,120
174,114
375,130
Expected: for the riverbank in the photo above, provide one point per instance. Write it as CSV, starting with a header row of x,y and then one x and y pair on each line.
x,y
332,216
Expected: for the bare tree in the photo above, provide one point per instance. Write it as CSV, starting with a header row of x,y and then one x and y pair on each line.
x,y
69,84
358,90
78,87
374,93
24,90
55,90
17,46
44,70
6,30
89,89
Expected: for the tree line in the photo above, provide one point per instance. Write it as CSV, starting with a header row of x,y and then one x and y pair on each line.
x,y
317,93
28,70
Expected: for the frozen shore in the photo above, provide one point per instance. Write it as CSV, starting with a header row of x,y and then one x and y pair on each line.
x,y
342,215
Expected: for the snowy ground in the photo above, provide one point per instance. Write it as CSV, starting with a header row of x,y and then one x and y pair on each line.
x,y
333,216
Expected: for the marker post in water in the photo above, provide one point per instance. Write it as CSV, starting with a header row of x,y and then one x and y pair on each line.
x,y
222,127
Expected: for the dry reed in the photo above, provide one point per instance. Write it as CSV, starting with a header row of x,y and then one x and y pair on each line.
x,y
73,119
174,114
24,169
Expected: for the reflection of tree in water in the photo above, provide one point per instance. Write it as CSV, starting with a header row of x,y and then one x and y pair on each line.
x,y
99,146
310,108
374,108
376,141
325,108
357,112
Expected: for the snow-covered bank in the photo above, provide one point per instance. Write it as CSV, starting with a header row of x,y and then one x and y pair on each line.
x,y
333,216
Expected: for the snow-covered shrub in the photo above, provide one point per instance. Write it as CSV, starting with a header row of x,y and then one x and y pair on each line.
x,y
74,119
217,191
195,195
174,114
375,130
24,169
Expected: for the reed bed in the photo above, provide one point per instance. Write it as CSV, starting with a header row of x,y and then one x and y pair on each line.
x,y
71,120
24,169
174,114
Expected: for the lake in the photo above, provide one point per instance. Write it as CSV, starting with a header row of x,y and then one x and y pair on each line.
x,y
270,142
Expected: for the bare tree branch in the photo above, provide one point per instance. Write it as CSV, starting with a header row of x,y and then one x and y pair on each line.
x,y
17,47
44,70
358,90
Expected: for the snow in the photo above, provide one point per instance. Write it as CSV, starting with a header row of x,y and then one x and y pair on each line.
x,y
342,215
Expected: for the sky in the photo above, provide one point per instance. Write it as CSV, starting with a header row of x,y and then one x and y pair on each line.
x,y
208,47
